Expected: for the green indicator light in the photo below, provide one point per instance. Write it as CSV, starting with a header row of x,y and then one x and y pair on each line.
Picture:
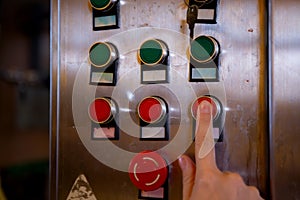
x,y
151,52
100,4
203,49
100,54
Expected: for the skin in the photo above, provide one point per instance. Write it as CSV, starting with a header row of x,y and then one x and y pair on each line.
x,y
204,180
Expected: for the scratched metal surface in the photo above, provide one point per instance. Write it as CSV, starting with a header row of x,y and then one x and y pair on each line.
x,y
241,32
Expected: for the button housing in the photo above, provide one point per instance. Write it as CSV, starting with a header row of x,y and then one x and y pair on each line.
x,y
103,112
106,14
153,56
104,60
153,117
204,59
217,112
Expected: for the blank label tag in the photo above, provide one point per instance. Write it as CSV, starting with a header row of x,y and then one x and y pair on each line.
x,y
99,77
156,194
103,133
154,75
207,14
105,21
153,133
216,133
204,73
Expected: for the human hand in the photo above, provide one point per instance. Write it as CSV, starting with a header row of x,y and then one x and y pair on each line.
x,y
204,181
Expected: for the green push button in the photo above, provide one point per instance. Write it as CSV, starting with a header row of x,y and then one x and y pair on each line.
x,y
204,49
151,52
100,54
100,4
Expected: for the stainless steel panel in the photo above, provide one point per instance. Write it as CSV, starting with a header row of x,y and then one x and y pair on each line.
x,y
241,32
285,101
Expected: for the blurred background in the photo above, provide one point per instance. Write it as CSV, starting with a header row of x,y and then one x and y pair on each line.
x,y
24,98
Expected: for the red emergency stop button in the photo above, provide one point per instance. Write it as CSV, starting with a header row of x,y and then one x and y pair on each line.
x,y
148,171
101,110
152,109
216,108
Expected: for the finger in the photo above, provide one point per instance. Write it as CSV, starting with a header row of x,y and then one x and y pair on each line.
x,y
188,176
204,141
254,193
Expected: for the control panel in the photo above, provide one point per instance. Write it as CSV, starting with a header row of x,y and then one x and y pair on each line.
x,y
126,87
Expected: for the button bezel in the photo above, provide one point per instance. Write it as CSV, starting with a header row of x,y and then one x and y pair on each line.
x,y
163,56
113,110
161,115
211,57
211,99
108,5
113,54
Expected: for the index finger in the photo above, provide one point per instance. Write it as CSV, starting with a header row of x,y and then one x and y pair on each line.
x,y
204,140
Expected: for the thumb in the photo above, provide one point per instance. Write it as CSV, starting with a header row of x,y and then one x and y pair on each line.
x,y
188,176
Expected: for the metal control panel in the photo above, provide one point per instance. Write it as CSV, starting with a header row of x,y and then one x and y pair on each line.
x,y
127,79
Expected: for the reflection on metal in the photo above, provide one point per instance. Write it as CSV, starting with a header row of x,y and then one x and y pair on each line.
x,y
285,99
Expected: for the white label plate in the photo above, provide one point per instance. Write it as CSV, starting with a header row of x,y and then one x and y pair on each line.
x,y
153,133
206,14
154,75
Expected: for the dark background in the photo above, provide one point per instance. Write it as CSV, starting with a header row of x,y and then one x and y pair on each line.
x,y
24,98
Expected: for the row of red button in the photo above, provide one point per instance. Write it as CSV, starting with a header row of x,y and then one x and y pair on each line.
x,y
150,109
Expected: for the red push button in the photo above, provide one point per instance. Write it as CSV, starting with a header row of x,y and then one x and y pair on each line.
x,y
148,171
101,110
152,109
215,106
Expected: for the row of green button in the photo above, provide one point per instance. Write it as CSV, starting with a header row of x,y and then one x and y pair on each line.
x,y
203,49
